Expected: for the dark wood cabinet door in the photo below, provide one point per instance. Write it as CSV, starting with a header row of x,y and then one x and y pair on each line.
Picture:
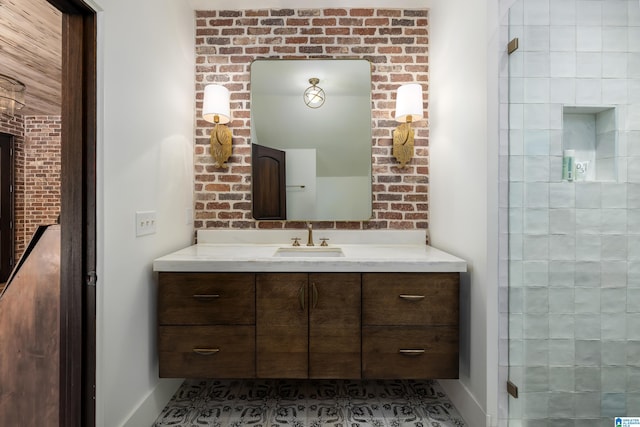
x,y
218,351
409,352
282,325
206,298
410,298
334,325
268,186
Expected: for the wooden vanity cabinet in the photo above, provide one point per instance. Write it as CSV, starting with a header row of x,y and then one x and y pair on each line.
x,y
282,325
410,325
335,325
308,325
206,325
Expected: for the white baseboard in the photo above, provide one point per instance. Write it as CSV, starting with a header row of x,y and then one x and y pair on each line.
x,y
465,403
147,412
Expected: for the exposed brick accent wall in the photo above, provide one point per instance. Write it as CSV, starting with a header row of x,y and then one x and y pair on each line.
x,y
395,41
42,165
37,164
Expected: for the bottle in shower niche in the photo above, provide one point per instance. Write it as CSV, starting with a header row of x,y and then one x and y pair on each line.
x,y
568,165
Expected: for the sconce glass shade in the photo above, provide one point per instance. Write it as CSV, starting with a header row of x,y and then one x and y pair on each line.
x,y
314,95
216,103
409,103
12,94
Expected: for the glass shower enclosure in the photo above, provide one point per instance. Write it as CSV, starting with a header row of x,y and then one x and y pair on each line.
x,y
571,146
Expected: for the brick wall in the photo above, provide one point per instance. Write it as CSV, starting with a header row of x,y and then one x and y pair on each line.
x,y
395,41
36,173
42,163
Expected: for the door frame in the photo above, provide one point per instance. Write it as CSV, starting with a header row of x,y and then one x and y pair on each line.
x,y
8,245
78,215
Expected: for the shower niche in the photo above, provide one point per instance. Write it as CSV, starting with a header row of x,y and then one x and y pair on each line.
x,y
589,143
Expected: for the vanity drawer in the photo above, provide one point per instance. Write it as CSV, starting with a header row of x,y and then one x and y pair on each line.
x,y
207,351
206,298
409,352
410,298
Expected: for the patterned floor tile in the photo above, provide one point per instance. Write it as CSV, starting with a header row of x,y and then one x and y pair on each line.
x,y
313,403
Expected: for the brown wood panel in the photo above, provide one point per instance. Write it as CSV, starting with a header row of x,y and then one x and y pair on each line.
x,y
382,357
206,298
382,303
183,351
30,338
268,186
77,218
282,325
334,325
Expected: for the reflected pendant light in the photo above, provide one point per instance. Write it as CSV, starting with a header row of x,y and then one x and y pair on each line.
x,y
11,95
314,95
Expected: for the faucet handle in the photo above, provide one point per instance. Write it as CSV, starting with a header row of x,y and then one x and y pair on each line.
x,y
324,241
296,241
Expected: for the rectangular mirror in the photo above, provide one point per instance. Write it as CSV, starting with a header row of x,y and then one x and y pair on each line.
x,y
322,151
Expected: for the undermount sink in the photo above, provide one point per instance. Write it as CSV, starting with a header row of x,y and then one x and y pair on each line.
x,y
309,252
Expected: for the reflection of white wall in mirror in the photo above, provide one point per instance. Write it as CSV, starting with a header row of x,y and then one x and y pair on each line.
x,y
333,130
301,183
336,197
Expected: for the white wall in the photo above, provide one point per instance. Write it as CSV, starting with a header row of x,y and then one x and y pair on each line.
x,y
463,99
145,162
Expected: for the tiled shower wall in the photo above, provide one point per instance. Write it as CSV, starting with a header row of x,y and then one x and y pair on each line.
x,y
395,41
37,165
572,295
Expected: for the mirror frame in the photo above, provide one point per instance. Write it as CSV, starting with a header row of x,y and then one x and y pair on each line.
x,y
272,204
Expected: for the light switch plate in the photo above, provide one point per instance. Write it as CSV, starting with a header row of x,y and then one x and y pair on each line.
x,y
145,223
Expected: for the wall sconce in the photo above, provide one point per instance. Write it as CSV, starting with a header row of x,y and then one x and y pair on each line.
x,y
314,95
215,109
409,108
11,95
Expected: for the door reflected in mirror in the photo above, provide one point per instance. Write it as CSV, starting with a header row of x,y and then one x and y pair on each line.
x,y
326,149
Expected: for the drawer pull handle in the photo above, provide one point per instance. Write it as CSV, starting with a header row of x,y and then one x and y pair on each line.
x,y
412,297
314,295
206,296
301,297
411,352
206,351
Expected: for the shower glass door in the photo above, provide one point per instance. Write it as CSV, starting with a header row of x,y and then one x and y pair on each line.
x,y
574,212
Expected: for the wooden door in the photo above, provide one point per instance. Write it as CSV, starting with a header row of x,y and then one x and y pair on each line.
x,y
334,325
268,186
282,325
6,211
78,215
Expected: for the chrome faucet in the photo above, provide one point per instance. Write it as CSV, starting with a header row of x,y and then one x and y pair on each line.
x,y
310,235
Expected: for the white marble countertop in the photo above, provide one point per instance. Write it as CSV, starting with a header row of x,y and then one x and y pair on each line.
x,y
370,256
